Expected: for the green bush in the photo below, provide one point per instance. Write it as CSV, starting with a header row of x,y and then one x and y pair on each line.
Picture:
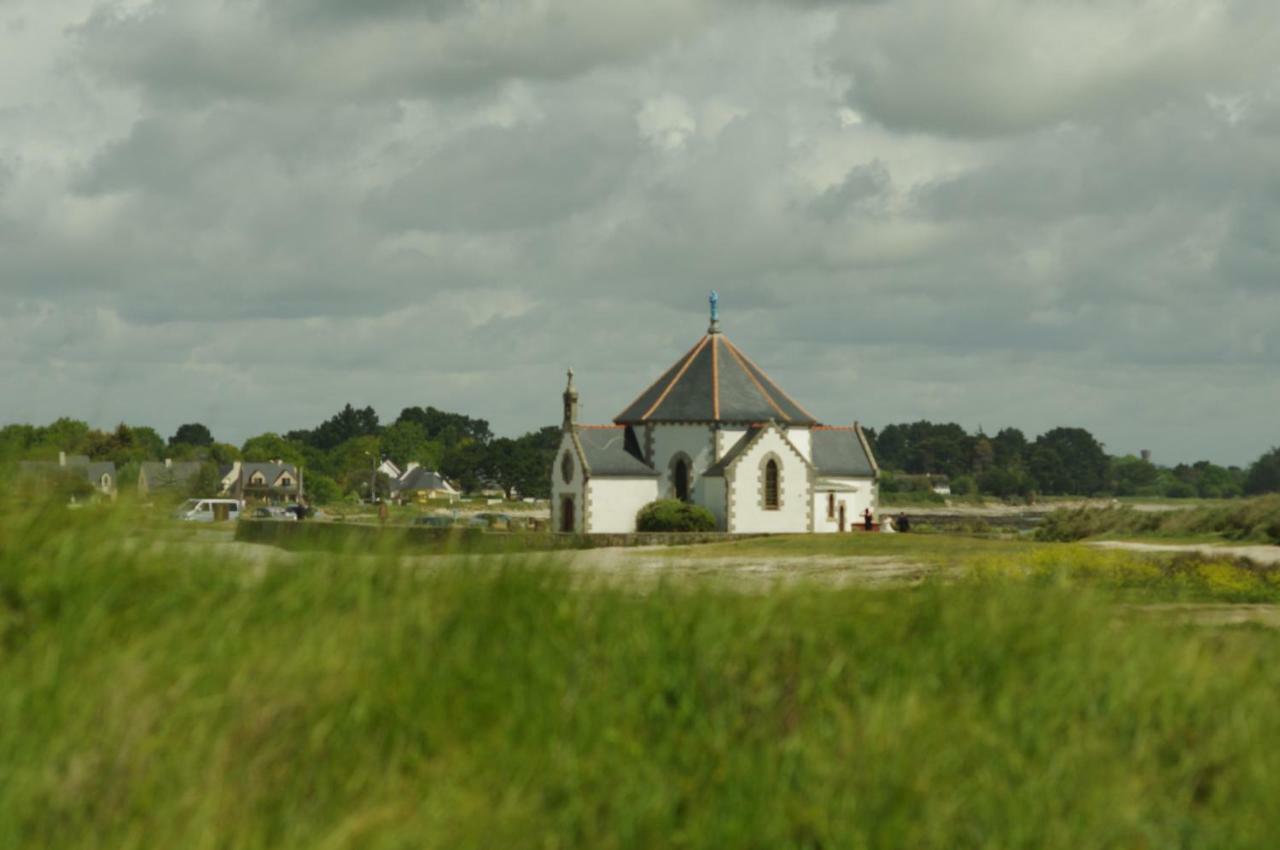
x,y
322,490
674,515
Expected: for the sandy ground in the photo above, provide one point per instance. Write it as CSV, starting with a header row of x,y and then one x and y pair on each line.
x,y
1258,554
658,561
643,565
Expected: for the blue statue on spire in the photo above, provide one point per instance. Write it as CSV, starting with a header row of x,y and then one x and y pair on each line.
x,y
715,308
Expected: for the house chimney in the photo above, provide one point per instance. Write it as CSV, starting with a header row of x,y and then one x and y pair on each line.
x,y
62,458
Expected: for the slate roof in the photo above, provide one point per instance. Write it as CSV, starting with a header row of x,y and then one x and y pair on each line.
x,y
78,465
715,382
612,451
270,471
840,452
159,475
420,478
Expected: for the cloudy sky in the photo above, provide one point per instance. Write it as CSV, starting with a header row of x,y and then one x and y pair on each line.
x,y
1027,212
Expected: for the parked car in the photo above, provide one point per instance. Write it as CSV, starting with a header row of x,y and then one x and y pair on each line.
x,y
490,520
434,521
208,510
274,512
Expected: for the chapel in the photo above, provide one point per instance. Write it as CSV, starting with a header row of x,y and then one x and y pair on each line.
x,y
716,431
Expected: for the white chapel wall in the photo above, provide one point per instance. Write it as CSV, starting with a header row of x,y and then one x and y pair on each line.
x,y
614,502
692,440
857,494
560,488
747,511
727,438
711,496
801,438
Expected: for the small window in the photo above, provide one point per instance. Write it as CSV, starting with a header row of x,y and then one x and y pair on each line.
x,y
286,481
566,467
831,506
681,476
771,485
257,478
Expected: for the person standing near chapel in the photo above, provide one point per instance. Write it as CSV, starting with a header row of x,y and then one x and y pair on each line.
x,y
867,520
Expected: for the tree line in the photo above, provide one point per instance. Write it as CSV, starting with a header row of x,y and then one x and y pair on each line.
x,y
1061,461
340,453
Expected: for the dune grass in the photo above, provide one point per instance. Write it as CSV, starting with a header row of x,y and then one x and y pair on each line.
x,y
1130,576
160,698
1256,520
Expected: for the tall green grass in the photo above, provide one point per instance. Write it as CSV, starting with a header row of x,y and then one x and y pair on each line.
x,y
161,697
1255,520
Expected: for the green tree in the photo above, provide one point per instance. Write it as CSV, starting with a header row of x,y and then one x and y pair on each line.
x,y
192,434
125,445
406,442
984,454
1264,474
924,447
206,483
64,434
268,447
470,464
1005,483
1010,449
1132,475
346,424
1069,461
321,489
353,462
524,465
449,429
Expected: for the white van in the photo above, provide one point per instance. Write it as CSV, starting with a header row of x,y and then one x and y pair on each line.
x,y
208,510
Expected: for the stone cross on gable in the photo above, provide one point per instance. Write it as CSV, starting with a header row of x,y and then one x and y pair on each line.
x,y
715,312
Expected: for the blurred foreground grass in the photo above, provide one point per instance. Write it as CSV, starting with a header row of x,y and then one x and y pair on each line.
x,y
154,697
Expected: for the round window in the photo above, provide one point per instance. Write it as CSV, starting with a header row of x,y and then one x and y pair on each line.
x,y
566,467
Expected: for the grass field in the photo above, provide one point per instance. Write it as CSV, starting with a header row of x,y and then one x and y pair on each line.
x,y
164,695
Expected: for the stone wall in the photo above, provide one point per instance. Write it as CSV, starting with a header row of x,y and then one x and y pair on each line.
x,y
368,538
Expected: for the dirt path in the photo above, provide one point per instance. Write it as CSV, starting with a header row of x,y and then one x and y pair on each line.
x,y
658,561
1260,554
1212,613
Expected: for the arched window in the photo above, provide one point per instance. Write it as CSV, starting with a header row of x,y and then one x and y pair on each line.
x,y
567,520
831,506
566,467
771,485
681,477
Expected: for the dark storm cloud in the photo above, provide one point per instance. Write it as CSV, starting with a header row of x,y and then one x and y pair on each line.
x,y
184,51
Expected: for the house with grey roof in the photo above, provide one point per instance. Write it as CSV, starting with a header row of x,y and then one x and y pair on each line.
x,y
167,476
420,484
272,482
715,430
98,477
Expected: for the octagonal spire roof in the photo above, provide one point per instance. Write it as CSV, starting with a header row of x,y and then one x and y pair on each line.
x,y
714,382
